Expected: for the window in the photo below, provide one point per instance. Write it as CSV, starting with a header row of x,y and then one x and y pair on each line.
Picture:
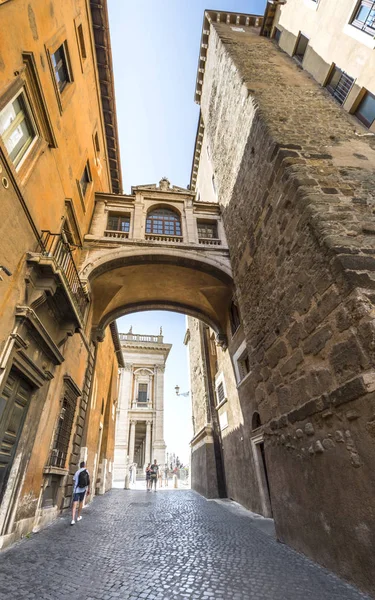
x,y
85,179
364,17
256,422
213,184
366,110
142,392
163,221
60,67
63,431
81,41
277,35
207,230
243,365
220,389
17,128
96,143
119,223
339,85
234,317
300,50
220,393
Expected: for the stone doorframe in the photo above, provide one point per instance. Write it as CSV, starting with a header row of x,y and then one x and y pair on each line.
x,y
256,440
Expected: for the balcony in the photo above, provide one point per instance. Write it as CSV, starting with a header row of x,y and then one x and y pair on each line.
x,y
142,404
134,337
57,272
158,237
119,235
210,241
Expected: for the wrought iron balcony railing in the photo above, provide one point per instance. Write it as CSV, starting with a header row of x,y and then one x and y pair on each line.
x,y
53,245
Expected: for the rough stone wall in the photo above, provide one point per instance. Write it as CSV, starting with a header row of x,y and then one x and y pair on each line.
x,y
203,462
295,177
197,377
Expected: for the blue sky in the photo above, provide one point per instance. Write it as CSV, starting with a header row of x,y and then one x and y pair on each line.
x,y
155,47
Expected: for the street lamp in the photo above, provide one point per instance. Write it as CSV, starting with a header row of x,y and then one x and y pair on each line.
x,y
185,394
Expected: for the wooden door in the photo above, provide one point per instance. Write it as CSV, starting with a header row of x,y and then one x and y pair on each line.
x,y
14,402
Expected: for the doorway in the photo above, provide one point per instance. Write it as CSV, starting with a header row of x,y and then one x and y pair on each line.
x,y
257,443
14,403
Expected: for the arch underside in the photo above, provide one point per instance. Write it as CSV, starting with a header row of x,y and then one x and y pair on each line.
x,y
127,284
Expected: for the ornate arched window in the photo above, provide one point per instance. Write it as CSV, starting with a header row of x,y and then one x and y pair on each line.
x,y
163,221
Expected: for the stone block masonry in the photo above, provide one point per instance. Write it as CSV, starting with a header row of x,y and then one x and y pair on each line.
x,y
295,176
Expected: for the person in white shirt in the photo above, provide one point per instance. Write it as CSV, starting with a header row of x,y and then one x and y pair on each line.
x,y
81,486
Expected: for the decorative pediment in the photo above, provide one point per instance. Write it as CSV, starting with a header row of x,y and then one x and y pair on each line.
x,y
164,186
143,372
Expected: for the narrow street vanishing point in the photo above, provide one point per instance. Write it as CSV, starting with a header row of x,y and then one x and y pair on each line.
x,y
134,545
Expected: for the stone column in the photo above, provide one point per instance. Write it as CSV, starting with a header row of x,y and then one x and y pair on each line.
x,y
120,464
133,424
148,443
191,225
158,446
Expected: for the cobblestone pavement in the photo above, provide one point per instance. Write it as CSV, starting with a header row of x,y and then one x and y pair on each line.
x,y
136,545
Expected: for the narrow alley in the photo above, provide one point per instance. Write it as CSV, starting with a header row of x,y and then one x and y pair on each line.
x,y
136,545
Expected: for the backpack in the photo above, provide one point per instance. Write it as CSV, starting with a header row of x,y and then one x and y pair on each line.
x,y
83,479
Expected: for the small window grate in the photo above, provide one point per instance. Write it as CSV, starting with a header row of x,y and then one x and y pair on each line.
x,y
340,85
63,432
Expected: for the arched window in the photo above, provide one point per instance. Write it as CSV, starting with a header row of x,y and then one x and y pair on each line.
x,y
163,221
256,422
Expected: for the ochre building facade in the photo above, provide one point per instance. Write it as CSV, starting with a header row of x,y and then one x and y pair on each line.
x,y
58,146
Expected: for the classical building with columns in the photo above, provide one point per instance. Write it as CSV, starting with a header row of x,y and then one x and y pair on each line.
x,y
140,412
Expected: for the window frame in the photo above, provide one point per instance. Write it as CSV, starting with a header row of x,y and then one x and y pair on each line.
x,y
234,317
277,35
60,39
364,121
84,189
204,224
220,381
139,401
237,359
62,435
159,224
361,25
23,152
296,56
65,64
333,90
119,217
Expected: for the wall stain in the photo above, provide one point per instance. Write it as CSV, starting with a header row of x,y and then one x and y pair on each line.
x,y
32,22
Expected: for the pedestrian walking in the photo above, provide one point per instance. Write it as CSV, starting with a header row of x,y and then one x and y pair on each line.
x,y
154,473
160,477
166,474
148,477
81,487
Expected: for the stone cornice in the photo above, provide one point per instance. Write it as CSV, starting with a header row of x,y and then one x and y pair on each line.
x,y
100,24
212,16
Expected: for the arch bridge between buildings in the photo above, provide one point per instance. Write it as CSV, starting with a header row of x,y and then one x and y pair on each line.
x,y
157,249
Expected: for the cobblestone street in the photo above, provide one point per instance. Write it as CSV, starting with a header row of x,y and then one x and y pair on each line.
x,y
136,545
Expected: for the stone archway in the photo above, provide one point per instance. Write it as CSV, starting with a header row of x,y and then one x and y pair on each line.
x,y
125,280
